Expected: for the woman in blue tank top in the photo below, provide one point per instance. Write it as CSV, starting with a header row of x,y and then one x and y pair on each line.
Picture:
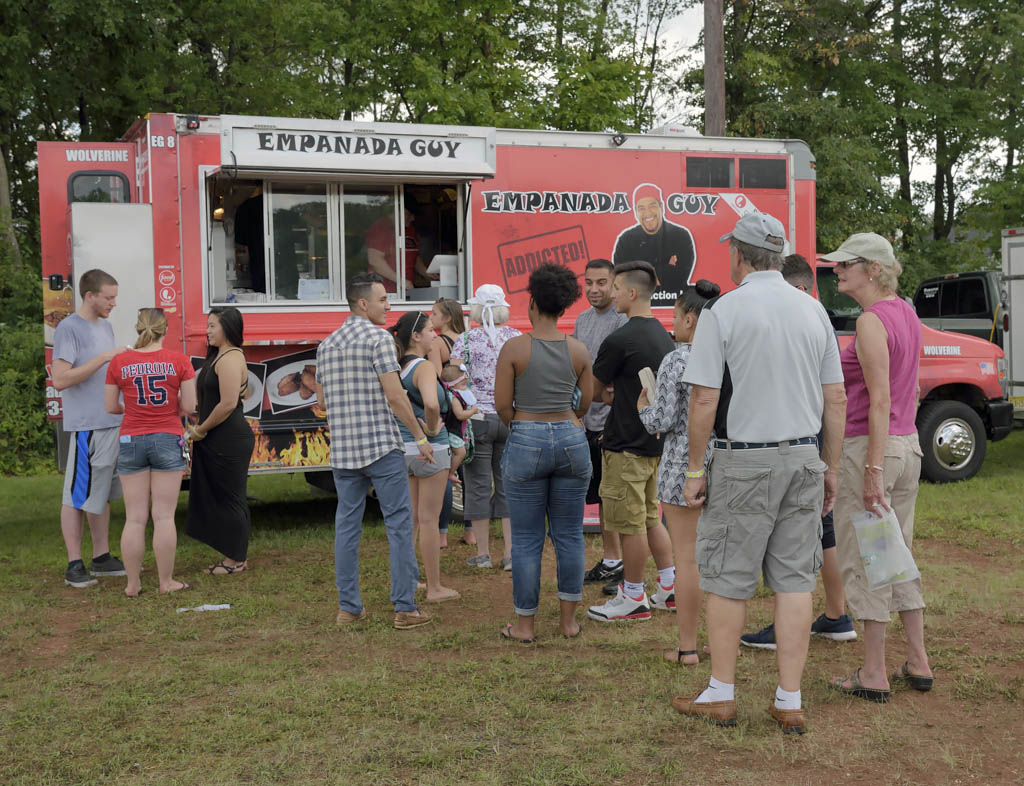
x,y
413,337
546,467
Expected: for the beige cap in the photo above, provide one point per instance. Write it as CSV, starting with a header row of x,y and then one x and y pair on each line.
x,y
863,245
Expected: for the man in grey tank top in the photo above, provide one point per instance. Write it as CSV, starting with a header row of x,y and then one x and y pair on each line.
x,y
593,326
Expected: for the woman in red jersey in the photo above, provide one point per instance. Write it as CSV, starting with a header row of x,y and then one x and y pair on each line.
x,y
158,388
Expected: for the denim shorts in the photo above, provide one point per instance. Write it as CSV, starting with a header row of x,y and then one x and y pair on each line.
x,y
158,452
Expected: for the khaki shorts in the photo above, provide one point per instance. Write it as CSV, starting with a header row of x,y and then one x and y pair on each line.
x,y
762,517
629,492
902,475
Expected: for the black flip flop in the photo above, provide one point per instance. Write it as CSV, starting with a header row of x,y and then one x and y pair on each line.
x,y
857,689
918,682
506,633
680,654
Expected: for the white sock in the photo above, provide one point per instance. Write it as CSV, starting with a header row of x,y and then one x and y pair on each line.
x,y
667,576
717,691
787,699
633,589
611,563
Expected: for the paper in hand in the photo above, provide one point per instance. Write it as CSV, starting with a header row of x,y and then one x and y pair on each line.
x,y
647,380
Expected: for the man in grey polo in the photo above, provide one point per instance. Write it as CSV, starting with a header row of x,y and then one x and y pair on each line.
x,y
766,376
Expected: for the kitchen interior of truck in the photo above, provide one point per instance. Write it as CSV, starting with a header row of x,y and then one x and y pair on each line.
x,y
280,241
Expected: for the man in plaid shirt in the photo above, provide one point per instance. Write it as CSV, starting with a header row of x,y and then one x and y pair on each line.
x,y
358,386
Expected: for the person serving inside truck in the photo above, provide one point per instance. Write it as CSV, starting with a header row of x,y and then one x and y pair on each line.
x,y
380,249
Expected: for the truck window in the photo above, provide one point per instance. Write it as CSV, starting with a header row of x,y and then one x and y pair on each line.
x,y
926,302
98,187
318,235
762,173
971,300
299,236
842,309
705,172
948,307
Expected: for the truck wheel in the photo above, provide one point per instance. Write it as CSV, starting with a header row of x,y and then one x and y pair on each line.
x,y
321,479
952,440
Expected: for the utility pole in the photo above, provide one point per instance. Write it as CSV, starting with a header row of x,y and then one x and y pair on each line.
x,y
714,69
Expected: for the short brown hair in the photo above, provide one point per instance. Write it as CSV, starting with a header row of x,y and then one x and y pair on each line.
x,y
94,280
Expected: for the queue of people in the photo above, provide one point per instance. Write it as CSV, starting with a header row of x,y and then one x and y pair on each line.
x,y
719,451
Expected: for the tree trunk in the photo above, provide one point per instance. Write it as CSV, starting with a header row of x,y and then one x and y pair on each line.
x,y
902,132
939,184
6,217
714,69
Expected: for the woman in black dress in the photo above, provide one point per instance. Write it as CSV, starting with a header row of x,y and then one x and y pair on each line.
x,y
222,443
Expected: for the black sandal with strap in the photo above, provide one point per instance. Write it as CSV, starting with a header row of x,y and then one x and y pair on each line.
x,y
680,654
228,569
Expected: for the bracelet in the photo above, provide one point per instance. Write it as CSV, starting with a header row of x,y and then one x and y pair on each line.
x,y
698,474
422,441
874,467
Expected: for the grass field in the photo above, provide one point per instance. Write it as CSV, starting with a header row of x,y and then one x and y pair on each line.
x,y
99,689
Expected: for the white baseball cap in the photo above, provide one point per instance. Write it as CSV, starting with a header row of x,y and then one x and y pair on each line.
x,y
488,295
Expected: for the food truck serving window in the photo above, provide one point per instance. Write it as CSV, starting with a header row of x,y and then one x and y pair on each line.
x,y
290,241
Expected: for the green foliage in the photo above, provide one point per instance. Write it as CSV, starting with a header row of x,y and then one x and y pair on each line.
x,y
871,87
24,437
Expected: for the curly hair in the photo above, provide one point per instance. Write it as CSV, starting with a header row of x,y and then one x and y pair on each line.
x,y
554,288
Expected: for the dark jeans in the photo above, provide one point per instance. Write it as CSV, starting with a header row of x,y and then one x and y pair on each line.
x,y
546,470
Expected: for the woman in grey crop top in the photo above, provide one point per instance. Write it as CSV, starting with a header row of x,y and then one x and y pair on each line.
x,y
546,467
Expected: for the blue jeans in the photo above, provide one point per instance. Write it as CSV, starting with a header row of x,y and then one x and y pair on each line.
x,y
546,470
391,482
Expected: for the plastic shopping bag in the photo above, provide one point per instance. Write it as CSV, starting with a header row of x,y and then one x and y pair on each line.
x,y
885,555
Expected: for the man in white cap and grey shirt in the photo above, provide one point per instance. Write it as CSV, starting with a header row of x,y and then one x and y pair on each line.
x,y
766,376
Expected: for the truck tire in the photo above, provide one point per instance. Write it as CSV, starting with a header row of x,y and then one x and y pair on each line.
x,y
952,440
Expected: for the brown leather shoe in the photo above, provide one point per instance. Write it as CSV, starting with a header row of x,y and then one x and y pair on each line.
x,y
346,618
721,713
404,620
791,721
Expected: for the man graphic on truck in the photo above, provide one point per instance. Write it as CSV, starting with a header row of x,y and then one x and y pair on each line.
x,y
667,246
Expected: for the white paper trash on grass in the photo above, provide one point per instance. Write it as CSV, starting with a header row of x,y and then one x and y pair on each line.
x,y
206,607
885,555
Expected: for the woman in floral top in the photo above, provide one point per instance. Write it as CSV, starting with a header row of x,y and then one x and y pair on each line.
x,y
668,415
483,497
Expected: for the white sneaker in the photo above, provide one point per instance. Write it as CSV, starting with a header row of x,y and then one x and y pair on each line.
x,y
621,608
664,598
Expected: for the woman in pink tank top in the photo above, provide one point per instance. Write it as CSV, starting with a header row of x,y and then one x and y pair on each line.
x,y
881,462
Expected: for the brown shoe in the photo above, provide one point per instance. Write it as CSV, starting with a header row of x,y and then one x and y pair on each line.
x,y
791,721
346,618
404,620
721,713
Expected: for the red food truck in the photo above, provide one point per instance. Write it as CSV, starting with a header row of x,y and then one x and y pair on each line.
x,y
273,215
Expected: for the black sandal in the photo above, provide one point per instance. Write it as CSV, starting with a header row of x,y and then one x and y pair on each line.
x,y
680,654
228,569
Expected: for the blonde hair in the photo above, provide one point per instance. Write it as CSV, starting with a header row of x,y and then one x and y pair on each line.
x,y
501,314
151,326
889,276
